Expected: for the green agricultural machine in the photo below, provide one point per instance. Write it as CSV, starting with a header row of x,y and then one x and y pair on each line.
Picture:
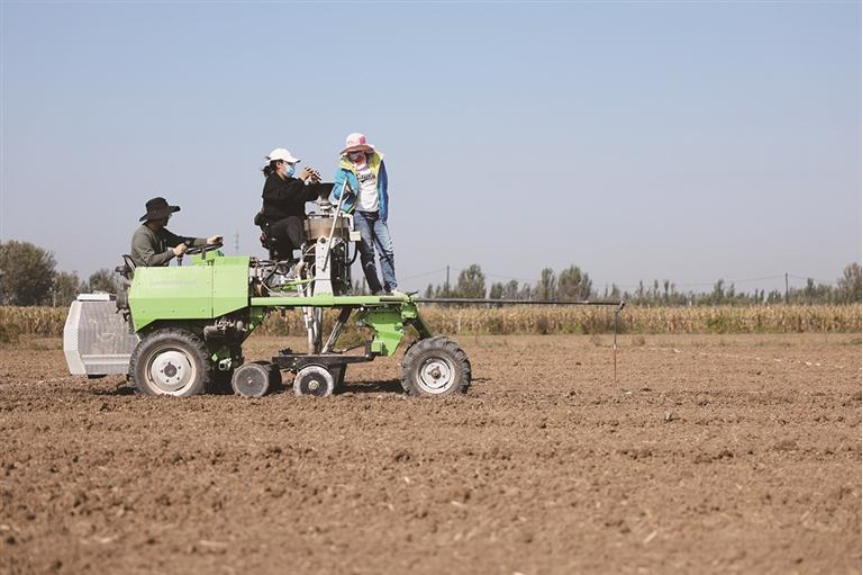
x,y
192,322
179,330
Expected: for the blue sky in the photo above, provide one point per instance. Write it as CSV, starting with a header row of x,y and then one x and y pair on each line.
x,y
688,141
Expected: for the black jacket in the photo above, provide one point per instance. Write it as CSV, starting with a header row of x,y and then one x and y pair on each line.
x,y
283,198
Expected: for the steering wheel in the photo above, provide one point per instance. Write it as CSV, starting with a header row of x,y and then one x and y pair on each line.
x,y
202,249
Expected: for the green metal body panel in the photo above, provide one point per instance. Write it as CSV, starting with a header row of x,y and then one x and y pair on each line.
x,y
211,287
388,324
388,327
230,284
411,315
328,300
214,285
385,315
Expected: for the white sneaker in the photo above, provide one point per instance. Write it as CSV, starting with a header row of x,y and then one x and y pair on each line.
x,y
397,293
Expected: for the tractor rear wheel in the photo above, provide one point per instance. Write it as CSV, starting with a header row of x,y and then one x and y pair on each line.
x,y
435,366
170,362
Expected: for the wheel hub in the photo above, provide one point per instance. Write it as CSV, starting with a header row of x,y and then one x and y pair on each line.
x,y
252,380
171,371
436,375
314,380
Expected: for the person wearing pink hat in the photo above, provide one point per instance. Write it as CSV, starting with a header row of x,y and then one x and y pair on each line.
x,y
362,177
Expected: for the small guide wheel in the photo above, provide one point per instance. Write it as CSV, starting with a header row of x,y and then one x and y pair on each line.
x,y
314,380
255,379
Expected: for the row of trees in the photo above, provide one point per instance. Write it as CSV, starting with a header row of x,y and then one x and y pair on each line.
x,y
570,284
29,276
574,284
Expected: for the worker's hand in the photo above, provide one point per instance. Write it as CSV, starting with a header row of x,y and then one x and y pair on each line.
x,y
180,249
306,173
316,177
214,240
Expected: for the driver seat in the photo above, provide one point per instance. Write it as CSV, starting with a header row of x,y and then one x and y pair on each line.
x,y
127,270
126,273
278,249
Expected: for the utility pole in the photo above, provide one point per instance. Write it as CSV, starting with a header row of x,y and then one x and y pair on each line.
x,y
786,288
236,242
447,281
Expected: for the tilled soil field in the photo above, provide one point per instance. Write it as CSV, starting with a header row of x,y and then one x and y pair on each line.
x,y
710,454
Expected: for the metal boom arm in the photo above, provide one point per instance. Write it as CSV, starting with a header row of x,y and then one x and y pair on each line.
x,y
618,305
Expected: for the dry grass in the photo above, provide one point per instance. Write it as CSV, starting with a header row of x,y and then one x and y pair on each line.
x,y
546,320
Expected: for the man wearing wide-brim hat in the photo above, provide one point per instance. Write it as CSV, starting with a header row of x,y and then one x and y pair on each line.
x,y
153,245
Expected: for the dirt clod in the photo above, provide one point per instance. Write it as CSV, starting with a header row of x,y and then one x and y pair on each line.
x,y
709,460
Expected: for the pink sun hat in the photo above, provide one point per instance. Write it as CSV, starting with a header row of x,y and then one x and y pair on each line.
x,y
356,142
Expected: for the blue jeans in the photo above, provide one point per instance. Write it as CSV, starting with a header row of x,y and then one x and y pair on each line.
x,y
374,232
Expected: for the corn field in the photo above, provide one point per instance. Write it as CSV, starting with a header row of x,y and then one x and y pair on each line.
x,y
46,321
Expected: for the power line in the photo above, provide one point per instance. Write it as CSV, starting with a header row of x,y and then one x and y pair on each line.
x,y
812,278
423,274
732,281
499,276
597,282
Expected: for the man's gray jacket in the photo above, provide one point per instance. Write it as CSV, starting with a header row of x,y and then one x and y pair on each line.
x,y
151,248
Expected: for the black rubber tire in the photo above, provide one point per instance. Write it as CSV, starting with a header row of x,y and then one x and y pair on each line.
x,y
338,374
254,379
161,340
315,380
275,378
451,358
220,381
410,347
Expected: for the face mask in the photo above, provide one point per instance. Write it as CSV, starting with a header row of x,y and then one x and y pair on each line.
x,y
289,170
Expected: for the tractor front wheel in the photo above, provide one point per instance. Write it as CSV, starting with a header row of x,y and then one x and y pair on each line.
x,y
435,366
170,362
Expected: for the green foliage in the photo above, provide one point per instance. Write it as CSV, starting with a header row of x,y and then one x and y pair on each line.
x,y
462,320
27,274
471,283
66,288
850,284
510,290
546,287
104,280
574,285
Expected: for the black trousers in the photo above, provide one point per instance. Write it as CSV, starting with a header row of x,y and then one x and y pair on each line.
x,y
288,232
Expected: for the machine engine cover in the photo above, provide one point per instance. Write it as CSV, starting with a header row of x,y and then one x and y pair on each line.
x,y
97,340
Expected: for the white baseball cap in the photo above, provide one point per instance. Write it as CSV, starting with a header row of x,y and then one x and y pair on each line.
x,y
282,154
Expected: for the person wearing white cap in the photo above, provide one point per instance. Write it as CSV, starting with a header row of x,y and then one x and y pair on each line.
x,y
285,197
362,176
